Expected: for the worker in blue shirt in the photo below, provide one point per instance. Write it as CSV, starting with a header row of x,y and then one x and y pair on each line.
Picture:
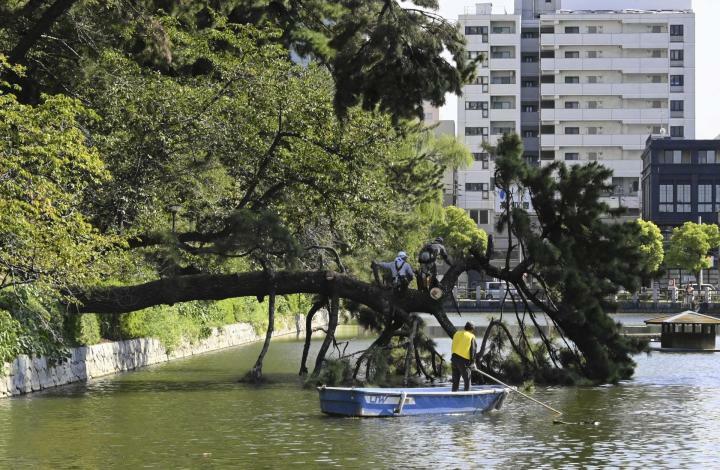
x,y
400,270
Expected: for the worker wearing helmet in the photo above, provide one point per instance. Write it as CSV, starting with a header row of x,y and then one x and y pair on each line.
x,y
400,270
427,279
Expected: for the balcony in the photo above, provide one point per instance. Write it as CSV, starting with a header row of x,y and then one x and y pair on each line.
x,y
624,64
504,63
530,94
505,114
627,40
626,90
504,89
529,44
628,115
505,40
531,144
529,68
627,141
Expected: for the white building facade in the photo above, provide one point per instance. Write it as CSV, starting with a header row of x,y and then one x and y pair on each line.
x,y
580,81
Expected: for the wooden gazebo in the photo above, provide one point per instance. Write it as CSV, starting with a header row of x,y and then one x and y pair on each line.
x,y
687,330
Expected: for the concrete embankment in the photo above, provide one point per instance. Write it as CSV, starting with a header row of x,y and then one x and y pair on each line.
x,y
30,374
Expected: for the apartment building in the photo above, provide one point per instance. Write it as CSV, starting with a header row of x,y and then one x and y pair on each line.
x,y
580,81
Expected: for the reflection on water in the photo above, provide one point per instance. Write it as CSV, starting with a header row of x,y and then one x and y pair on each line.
x,y
193,413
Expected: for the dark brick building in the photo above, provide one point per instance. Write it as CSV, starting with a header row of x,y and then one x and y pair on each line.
x,y
680,181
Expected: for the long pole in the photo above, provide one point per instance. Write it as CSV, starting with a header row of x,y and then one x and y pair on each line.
x,y
514,389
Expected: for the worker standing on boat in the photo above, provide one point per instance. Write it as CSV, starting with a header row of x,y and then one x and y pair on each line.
x,y
464,348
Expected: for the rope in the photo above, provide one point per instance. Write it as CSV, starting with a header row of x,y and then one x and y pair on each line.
x,y
514,389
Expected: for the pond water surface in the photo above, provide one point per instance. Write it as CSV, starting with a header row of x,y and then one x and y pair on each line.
x,y
193,413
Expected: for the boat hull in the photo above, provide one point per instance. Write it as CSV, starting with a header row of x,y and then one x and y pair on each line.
x,y
369,402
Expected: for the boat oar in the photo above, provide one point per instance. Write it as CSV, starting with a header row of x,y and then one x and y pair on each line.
x,y
514,389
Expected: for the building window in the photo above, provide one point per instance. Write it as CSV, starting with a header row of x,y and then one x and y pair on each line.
x,y
706,157
476,30
666,157
474,54
547,155
476,105
592,104
529,58
592,29
476,187
593,79
676,30
547,54
572,54
676,54
572,79
529,83
547,29
682,193
547,79
592,130
480,216
572,105
529,108
572,29
677,80
476,131
677,131
705,198
677,105
547,129
572,156
666,198
676,157
592,54
529,35
547,104
572,130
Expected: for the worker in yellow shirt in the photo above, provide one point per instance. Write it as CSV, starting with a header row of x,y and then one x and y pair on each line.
x,y
464,348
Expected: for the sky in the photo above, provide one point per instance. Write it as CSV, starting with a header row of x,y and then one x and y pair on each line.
x,y
707,60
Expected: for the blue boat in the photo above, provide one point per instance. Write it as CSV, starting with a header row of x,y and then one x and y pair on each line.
x,y
350,401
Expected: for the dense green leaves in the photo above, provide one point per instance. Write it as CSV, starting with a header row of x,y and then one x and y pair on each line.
x,y
690,245
574,255
46,165
461,234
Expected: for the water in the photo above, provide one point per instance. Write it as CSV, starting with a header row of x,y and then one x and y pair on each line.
x,y
192,413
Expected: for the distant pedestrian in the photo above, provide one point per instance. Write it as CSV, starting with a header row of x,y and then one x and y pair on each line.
x,y
464,348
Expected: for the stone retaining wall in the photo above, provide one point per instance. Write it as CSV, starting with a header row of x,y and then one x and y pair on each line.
x,y
30,374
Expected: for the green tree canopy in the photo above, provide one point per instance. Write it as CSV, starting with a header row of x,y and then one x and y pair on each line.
x,y
651,245
46,166
460,232
690,245
382,54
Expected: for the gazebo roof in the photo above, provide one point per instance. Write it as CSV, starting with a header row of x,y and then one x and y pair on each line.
x,y
687,317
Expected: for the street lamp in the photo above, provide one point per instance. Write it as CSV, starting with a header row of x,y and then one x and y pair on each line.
x,y
174,209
